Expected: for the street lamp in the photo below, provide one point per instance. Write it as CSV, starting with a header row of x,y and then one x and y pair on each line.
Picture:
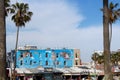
x,y
13,61
95,66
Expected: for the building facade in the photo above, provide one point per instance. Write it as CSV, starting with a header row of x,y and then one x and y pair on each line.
x,y
47,58
48,64
51,64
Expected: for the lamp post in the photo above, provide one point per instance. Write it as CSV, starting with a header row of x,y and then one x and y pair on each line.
x,y
11,66
95,66
14,62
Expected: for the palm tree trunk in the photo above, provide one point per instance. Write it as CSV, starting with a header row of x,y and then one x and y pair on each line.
x,y
2,42
16,45
107,68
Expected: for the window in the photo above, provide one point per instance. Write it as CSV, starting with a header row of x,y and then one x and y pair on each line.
x,y
26,61
76,62
46,55
46,63
64,62
21,62
57,55
76,55
30,62
34,62
21,55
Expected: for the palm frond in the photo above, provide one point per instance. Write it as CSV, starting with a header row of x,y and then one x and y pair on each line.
x,y
12,10
114,13
111,6
26,6
116,5
21,14
14,6
17,5
30,13
7,7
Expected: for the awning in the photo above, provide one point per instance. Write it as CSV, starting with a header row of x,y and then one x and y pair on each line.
x,y
68,71
64,71
29,71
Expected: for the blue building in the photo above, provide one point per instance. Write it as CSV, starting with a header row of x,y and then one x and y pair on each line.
x,y
47,58
45,63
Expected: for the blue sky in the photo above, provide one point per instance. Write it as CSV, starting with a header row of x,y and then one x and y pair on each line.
x,y
64,23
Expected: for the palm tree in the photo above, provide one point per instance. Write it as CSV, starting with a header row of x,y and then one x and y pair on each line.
x,y
95,57
100,59
2,41
117,54
110,15
107,68
114,14
7,7
115,58
21,15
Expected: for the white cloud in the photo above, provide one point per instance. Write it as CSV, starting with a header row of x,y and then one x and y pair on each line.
x,y
51,20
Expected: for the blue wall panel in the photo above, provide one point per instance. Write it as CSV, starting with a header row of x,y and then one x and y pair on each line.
x,y
44,58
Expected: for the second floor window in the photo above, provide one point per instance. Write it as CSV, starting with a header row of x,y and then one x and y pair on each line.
x,y
46,63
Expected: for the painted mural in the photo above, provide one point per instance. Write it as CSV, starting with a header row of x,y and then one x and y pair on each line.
x,y
45,58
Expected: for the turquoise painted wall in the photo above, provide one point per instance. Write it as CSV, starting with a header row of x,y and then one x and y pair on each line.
x,y
51,58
